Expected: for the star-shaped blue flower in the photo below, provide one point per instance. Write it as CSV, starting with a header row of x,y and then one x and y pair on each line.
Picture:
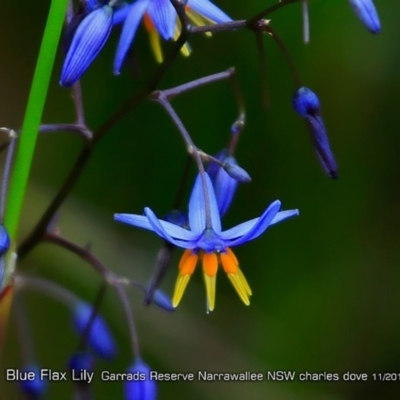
x,y
209,243
160,19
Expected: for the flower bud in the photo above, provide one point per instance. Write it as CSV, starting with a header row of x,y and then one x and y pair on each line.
x,y
99,337
4,240
35,388
89,38
223,183
163,301
306,104
236,172
81,361
143,388
367,14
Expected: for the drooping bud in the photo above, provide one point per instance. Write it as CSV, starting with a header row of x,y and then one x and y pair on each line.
x,y
98,336
163,301
79,362
89,38
4,240
306,104
32,383
367,14
223,183
142,388
236,172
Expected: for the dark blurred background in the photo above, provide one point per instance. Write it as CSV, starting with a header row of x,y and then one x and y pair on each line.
x,y
326,284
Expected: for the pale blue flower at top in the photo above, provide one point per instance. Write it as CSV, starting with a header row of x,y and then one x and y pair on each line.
x,y
209,243
160,19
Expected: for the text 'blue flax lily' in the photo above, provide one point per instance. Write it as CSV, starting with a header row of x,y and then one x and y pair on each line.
x,y
209,244
160,19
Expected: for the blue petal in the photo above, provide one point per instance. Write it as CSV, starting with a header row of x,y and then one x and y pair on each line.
x,y
89,38
282,215
163,15
121,14
249,233
142,221
134,219
209,10
197,208
131,24
322,146
164,230
366,12
241,229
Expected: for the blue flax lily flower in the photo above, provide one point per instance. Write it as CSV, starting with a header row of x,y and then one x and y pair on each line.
x,y
209,244
160,19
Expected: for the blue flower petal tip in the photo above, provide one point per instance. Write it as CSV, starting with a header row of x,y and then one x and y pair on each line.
x,y
367,14
31,382
99,337
306,104
89,38
141,386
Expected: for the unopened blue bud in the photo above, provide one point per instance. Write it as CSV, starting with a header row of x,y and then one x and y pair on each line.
x,y
163,301
236,172
89,38
143,388
177,217
367,14
4,240
306,104
224,185
81,361
99,337
32,385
